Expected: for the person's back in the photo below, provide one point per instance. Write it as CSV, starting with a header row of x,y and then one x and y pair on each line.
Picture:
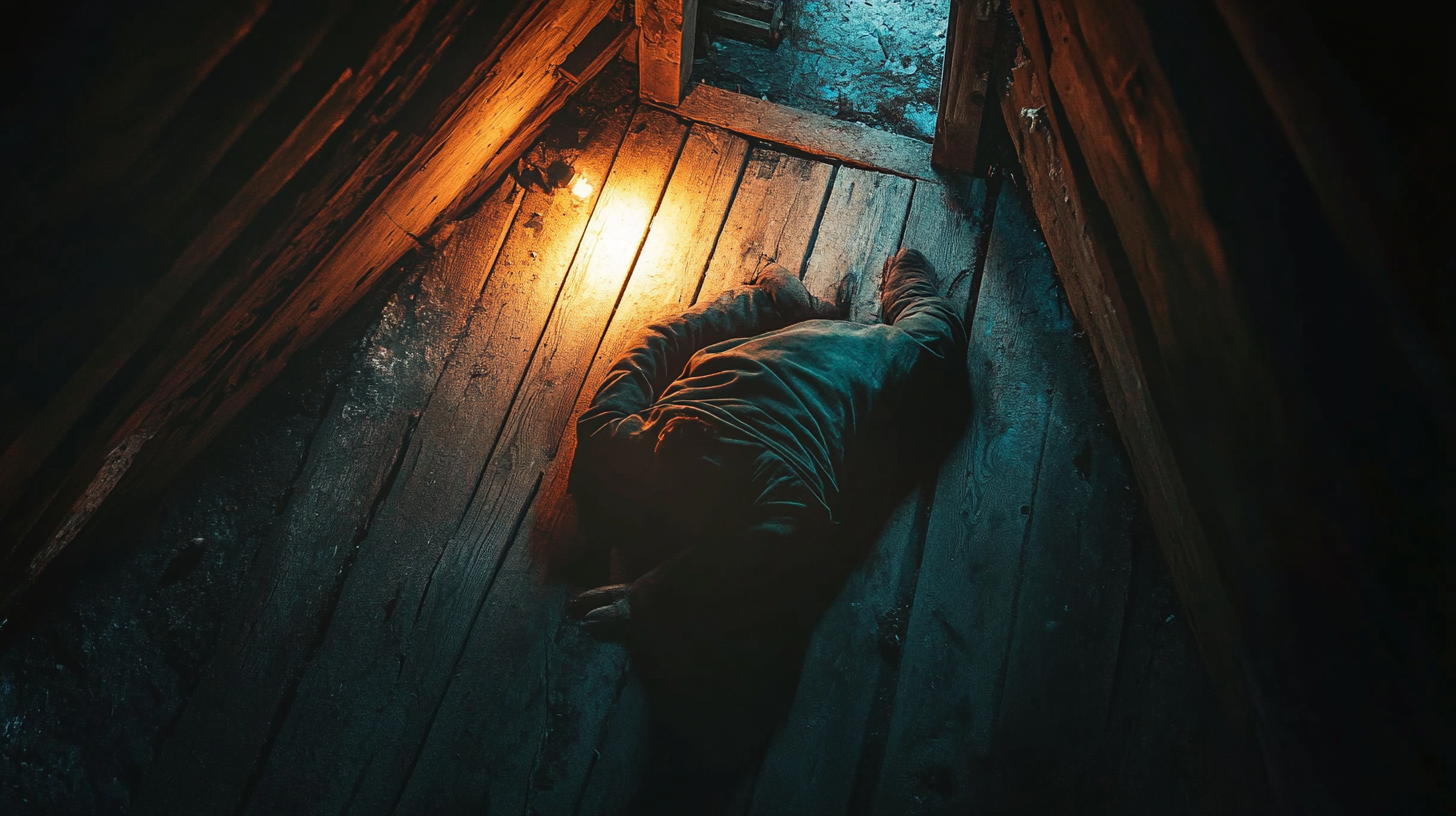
x,y
746,451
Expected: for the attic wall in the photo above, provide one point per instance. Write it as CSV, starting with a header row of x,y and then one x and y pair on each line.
x,y
1226,221
197,191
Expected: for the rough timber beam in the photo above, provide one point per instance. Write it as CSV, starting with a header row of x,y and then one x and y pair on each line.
x,y
665,50
255,319
965,83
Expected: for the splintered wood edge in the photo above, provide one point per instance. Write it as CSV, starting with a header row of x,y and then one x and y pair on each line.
x,y
849,142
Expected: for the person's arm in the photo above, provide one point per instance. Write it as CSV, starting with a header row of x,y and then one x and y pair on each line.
x,y
730,583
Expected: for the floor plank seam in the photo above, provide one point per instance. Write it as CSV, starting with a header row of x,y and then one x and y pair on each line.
x,y
818,221
290,694
331,395
636,255
545,326
622,681
517,196
511,543
1020,573
546,712
722,224
983,248
866,782
1124,633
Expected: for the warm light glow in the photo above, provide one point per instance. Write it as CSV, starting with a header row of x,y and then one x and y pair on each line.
x,y
581,188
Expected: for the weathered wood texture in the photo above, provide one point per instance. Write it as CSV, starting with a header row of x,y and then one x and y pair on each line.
x,y
539,753
388,643
1193,243
425,663
1086,251
851,143
775,211
847,684
665,48
859,229
229,313
222,736
965,84
1152,258
963,617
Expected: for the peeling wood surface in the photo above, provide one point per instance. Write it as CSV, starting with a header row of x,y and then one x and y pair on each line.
x,y
850,143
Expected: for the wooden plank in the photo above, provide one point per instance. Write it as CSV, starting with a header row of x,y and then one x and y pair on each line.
x,y
206,373
810,765
30,450
961,624
860,228
615,777
598,48
1171,748
1076,562
773,218
1081,246
545,689
814,762
1254,412
764,33
665,48
965,84
446,597
206,762
853,144
475,563
329,733
1109,312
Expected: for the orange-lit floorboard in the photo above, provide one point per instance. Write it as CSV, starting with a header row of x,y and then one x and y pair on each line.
x,y
1011,645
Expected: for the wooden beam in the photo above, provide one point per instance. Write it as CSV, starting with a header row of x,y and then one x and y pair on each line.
x,y
665,50
1231,370
1175,277
847,142
251,322
21,460
965,83
1083,250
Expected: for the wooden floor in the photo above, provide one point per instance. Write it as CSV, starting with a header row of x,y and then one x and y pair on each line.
x,y
1012,645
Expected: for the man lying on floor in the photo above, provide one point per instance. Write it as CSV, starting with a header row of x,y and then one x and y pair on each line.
x,y
738,458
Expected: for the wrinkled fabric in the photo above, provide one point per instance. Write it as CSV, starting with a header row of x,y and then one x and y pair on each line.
x,y
739,457
784,418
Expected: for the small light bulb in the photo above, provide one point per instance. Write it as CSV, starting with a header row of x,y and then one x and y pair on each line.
x,y
581,188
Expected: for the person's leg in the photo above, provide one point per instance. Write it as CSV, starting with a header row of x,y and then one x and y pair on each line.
x,y
913,303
